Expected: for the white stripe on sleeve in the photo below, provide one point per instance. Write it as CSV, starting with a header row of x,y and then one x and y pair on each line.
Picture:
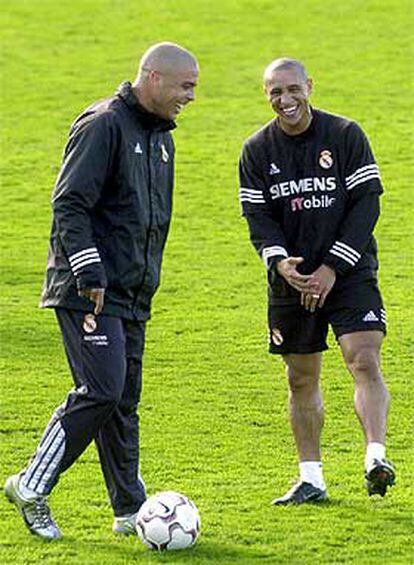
x,y
361,175
80,253
269,252
345,252
251,195
83,258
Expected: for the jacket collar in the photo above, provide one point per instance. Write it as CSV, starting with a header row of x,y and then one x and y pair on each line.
x,y
146,119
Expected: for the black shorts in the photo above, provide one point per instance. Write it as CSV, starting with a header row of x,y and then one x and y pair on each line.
x,y
305,332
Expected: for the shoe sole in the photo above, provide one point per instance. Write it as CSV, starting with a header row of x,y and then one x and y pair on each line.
x,y
124,532
318,500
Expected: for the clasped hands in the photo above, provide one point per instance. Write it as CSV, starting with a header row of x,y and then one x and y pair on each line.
x,y
313,288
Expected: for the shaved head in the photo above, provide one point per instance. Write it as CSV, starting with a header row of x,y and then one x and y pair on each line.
x,y
283,64
166,57
167,77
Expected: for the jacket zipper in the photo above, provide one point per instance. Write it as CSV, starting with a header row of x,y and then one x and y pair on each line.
x,y
149,231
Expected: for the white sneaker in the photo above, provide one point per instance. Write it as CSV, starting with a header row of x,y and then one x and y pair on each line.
x,y
35,511
125,525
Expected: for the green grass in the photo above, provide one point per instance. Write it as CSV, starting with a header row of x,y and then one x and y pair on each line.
x,y
213,413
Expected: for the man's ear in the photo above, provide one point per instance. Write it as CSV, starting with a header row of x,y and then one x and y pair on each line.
x,y
309,84
154,77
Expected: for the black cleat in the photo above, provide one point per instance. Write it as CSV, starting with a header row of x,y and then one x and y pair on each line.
x,y
379,476
302,493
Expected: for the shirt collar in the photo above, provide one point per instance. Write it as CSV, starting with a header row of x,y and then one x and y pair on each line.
x,y
147,119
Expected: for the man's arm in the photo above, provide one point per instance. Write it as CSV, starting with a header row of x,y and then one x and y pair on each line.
x,y
363,184
87,159
266,233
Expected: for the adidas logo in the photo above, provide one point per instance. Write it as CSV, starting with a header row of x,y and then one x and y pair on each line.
x,y
274,169
370,317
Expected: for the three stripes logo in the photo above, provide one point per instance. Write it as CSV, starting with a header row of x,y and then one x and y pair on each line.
x,y
345,252
361,175
274,169
370,317
251,195
83,258
377,316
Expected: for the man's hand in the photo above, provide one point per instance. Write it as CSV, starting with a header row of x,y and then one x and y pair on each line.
x,y
302,283
95,295
323,280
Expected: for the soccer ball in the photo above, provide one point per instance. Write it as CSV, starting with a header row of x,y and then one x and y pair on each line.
x,y
168,520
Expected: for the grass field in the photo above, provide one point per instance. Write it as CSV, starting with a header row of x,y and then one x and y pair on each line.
x,y
213,413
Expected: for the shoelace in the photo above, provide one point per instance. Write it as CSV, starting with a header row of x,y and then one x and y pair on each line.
x,y
41,513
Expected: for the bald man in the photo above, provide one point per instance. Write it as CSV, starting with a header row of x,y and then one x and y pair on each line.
x,y
310,191
111,213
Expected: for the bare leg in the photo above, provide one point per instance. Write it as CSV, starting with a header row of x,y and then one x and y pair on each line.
x,y
361,351
306,418
306,406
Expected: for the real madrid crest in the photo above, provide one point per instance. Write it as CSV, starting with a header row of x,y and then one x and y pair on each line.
x,y
326,159
89,323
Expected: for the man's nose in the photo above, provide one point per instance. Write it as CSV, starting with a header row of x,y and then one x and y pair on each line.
x,y
191,95
285,98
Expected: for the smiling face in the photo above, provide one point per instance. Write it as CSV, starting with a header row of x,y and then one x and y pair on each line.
x,y
167,77
288,91
171,91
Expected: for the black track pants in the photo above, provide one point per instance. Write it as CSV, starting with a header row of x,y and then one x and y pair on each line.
x,y
105,357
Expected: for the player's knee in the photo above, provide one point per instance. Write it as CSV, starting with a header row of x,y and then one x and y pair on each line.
x,y
132,389
301,380
364,361
109,395
109,400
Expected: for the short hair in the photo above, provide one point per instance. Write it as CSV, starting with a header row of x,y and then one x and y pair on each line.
x,y
285,63
165,55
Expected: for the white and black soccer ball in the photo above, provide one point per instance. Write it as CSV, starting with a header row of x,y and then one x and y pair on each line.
x,y
168,520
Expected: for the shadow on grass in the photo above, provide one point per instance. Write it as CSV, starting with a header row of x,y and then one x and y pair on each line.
x,y
204,551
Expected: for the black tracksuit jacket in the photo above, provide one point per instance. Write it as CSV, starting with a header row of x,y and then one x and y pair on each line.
x,y
314,195
111,208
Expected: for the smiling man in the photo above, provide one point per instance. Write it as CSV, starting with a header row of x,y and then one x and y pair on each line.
x,y
111,214
310,192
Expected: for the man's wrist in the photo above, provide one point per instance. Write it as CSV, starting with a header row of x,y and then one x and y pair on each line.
x,y
273,263
330,267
